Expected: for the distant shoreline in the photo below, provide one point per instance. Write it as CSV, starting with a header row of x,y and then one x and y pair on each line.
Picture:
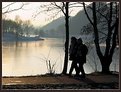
x,y
9,36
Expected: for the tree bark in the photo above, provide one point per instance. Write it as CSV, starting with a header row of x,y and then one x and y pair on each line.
x,y
105,63
108,40
67,39
105,59
96,40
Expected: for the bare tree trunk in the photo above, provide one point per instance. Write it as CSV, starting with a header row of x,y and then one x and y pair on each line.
x,y
105,59
108,59
105,63
96,40
67,39
108,40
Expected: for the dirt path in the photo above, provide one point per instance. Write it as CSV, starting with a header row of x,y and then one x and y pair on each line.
x,y
66,80
39,80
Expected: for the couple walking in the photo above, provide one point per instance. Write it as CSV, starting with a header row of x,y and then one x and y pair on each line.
x,y
77,52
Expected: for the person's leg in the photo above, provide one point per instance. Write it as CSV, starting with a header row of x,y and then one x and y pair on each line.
x,y
82,70
72,67
77,69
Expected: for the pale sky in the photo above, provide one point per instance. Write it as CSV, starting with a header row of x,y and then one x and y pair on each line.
x,y
31,8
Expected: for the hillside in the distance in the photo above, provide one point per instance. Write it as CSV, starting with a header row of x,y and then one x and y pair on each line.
x,y
57,27
54,24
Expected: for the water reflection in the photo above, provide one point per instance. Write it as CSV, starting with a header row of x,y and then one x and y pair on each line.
x,y
29,58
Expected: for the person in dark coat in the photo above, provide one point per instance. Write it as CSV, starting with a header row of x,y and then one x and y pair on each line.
x,y
81,57
72,53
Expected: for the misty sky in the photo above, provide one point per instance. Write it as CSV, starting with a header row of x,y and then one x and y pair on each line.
x,y
30,10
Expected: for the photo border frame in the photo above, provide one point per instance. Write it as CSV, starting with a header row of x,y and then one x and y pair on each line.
x,y
60,90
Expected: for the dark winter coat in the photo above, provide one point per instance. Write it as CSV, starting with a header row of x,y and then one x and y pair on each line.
x,y
72,51
82,51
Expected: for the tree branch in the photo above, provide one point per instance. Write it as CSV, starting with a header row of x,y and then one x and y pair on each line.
x,y
114,38
8,5
62,8
96,32
8,11
87,14
99,13
102,33
109,32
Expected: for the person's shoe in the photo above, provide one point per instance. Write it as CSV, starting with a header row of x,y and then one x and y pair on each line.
x,y
69,75
82,76
76,75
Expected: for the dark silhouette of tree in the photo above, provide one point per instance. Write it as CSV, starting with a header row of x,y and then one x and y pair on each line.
x,y
6,9
18,27
112,19
67,37
64,8
10,26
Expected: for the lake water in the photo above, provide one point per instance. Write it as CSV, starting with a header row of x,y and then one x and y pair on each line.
x,y
29,58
